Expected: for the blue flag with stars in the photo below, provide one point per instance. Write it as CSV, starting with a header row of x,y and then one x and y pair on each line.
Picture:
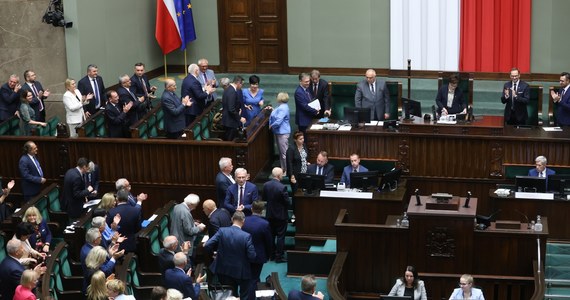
x,y
185,21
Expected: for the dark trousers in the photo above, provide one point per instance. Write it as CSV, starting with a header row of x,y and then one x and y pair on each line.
x,y
278,230
230,134
174,135
245,287
189,119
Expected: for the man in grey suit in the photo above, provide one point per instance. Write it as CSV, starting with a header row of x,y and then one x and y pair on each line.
x,y
173,106
182,224
373,93
207,77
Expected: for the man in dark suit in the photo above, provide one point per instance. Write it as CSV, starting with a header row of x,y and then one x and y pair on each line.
x,y
218,217
93,238
231,104
275,193
354,167
516,95
117,116
11,270
126,96
9,97
304,113
38,92
177,278
93,84
223,180
319,89
541,170
322,167
166,254
123,183
241,194
75,192
457,104
562,98
174,122
235,255
142,88
31,171
307,292
373,93
260,232
192,88
130,220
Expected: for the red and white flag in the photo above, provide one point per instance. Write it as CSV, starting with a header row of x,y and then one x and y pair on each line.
x,y
167,28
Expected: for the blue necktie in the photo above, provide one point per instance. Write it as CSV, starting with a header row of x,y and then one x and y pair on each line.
x,y
38,166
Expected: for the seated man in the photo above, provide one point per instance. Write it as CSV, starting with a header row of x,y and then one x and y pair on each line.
x,y
308,285
541,170
166,254
322,167
354,167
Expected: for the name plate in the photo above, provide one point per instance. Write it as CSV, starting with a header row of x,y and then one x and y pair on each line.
x,y
342,194
541,196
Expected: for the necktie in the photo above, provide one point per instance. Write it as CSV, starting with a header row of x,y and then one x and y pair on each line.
x,y
372,88
240,199
205,78
354,170
97,96
540,174
514,95
36,94
144,86
320,171
37,163
315,88
562,94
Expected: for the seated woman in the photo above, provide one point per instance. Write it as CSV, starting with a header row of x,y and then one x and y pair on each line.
x,y
466,289
409,285
252,100
449,98
27,113
29,256
41,238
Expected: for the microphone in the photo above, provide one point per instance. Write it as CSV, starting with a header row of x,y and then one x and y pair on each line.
x,y
434,112
525,217
467,200
418,202
485,221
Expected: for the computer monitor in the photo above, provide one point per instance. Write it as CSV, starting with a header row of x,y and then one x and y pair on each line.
x,y
559,184
357,115
386,297
311,183
530,184
364,180
390,180
411,107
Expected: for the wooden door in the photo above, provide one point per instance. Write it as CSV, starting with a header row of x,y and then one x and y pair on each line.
x,y
253,36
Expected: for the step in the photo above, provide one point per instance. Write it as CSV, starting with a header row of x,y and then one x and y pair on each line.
x,y
557,248
557,259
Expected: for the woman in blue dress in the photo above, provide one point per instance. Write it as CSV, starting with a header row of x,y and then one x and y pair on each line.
x,y
252,100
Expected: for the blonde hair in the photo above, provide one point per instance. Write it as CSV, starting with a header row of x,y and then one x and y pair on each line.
x,y
467,277
96,257
173,294
68,82
283,97
32,210
107,201
97,288
116,286
28,277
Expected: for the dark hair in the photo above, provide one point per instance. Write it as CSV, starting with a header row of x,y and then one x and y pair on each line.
x,y
454,78
238,79
24,228
565,74
257,207
28,146
157,293
139,64
297,135
99,212
122,195
415,273
26,74
82,162
24,94
109,93
253,79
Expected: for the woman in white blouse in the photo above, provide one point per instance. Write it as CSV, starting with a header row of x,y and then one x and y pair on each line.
x,y
74,102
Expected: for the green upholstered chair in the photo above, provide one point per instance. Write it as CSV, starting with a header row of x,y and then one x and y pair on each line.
x,y
2,246
465,84
552,106
534,107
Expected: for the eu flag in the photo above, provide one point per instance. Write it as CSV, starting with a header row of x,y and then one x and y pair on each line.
x,y
185,21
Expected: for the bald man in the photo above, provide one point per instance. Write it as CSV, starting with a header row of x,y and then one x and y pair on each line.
x,y
174,119
373,93
219,217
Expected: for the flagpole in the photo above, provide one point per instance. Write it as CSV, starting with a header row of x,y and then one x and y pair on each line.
x,y
165,77
184,73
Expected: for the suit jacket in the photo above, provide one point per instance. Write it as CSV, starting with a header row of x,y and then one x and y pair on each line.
x,y
294,160
84,86
346,173
261,238
117,121
31,178
182,224
230,107
9,102
210,76
137,85
10,273
192,87
174,120
137,111
379,102
129,226
83,255
400,287
222,185
74,193
322,94
533,172
165,260
328,171
458,104
40,115
74,112
219,218
298,295
277,197
304,113
45,234
250,194
176,278
518,109
563,109
235,252
476,294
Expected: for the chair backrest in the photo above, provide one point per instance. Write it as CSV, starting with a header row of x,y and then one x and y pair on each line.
x,y
42,206
14,125
465,84
53,199
154,237
342,95
95,126
395,90
2,246
534,107
552,106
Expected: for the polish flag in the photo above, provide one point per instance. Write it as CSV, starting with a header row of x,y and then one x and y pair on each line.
x,y
167,28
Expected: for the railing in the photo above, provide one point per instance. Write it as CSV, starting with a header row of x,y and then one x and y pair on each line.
x,y
95,126
151,125
335,282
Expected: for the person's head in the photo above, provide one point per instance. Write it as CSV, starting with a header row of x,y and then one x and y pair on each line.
x,y
108,201
70,84
466,282
29,279
122,183
257,207
282,97
225,82
97,288
238,82
208,207
192,201
170,85
15,248
540,163
315,76
99,212
299,138
93,236
277,173
113,96
32,215
170,242
241,176
13,81
139,69
308,284
193,69
370,76
203,64
122,196
24,230
411,276
99,223
30,76
180,259
304,80
564,79
115,287
26,96
158,293
253,82
322,158
354,160
515,75
238,218
92,71
30,148
90,167
125,81
83,165
96,257
174,294
453,81
226,165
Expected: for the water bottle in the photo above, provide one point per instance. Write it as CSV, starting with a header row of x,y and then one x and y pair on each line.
x,y
405,221
532,225
538,225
